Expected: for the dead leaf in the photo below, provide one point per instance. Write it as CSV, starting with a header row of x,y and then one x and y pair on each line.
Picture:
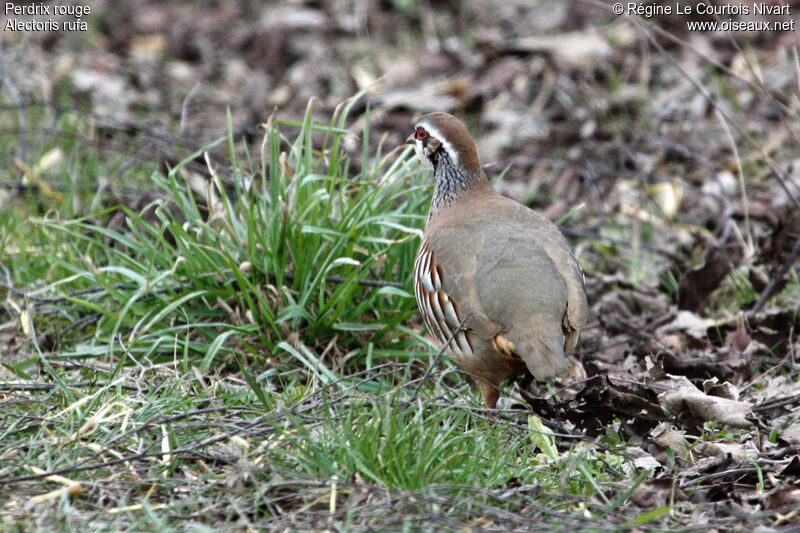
x,y
682,396
568,50
655,493
697,284
739,451
689,322
666,436
667,195
723,390
641,459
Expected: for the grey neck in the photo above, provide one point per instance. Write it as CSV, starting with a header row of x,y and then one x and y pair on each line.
x,y
450,182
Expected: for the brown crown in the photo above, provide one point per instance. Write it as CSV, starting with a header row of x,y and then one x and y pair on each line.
x,y
454,137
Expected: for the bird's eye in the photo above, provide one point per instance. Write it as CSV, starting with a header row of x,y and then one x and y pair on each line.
x,y
422,134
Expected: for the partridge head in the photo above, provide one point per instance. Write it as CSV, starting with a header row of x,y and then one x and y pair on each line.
x,y
493,277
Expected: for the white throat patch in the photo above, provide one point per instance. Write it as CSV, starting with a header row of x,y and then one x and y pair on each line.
x,y
423,159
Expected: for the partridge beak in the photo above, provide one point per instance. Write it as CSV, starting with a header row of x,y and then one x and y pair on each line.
x,y
410,140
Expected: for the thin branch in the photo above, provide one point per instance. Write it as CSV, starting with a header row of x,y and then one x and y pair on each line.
x,y
779,174
33,387
185,107
364,282
45,300
433,365
777,277
588,234
23,124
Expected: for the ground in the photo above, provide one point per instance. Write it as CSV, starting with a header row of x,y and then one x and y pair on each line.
x,y
208,229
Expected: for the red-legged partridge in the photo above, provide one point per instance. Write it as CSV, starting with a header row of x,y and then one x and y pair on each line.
x,y
500,270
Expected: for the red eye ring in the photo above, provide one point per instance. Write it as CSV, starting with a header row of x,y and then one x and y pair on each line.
x,y
421,134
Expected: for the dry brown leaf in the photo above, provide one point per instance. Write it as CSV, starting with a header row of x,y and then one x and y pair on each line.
x,y
666,436
683,396
641,459
569,50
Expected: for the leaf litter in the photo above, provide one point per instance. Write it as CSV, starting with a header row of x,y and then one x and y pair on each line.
x,y
689,241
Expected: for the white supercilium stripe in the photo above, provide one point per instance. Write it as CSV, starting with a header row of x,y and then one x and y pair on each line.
x,y
434,132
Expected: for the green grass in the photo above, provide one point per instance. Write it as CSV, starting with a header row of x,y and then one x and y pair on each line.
x,y
244,355
202,283
191,443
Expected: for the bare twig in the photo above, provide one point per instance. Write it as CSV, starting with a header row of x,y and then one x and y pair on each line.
x,y
125,126
740,178
777,277
433,365
185,106
23,124
364,282
52,300
588,234
33,387
780,175
773,403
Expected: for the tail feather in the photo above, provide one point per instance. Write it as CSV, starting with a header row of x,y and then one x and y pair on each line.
x,y
571,340
544,357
